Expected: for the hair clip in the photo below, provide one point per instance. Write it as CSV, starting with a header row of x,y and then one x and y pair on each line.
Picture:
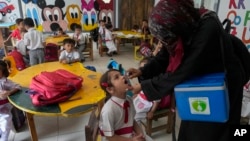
x,y
104,84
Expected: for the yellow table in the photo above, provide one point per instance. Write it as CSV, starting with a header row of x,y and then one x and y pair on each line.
x,y
83,101
58,40
126,34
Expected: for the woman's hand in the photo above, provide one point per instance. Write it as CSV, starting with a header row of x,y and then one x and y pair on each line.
x,y
132,73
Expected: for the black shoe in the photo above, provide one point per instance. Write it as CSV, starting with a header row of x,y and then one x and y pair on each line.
x,y
109,54
115,52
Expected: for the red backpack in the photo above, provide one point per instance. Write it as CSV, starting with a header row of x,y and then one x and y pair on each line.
x,y
54,87
20,64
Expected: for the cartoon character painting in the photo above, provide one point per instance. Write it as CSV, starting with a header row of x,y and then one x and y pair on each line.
x,y
73,15
52,15
106,12
89,16
31,11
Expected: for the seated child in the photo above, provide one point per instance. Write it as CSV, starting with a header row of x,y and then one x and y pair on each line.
x,y
144,108
60,32
136,28
69,55
117,115
157,48
7,88
79,40
109,40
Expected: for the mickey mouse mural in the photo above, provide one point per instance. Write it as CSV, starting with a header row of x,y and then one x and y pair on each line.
x,y
52,15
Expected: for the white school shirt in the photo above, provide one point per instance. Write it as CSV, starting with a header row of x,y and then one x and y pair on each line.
x,y
33,39
109,41
69,56
100,30
80,37
113,115
21,47
7,85
5,109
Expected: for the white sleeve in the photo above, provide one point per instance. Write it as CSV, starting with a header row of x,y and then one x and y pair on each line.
x,y
108,35
62,55
107,122
9,85
76,55
82,39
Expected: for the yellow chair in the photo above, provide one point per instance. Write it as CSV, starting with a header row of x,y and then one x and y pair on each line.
x,y
12,66
137,54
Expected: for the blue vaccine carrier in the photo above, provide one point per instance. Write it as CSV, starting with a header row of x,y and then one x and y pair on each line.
x,y
203,98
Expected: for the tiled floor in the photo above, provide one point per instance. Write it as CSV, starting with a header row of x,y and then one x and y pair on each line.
x,y
72,129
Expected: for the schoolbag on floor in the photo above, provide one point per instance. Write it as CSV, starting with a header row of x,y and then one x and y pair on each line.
x,y
53,87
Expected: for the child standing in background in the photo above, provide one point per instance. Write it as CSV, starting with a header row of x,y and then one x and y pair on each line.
x,y
20,46
33,39
16,34
80,41
7,87
69,55
117,115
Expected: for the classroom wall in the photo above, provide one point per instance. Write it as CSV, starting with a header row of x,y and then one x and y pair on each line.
x,y
238,11
48,15
10,10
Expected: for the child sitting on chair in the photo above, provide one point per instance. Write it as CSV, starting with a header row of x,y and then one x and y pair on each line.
x,y
144,108
79,40
69,55
60,32
7,87
109,40
117,115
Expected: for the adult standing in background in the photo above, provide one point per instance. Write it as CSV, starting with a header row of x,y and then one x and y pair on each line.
x,y
191,46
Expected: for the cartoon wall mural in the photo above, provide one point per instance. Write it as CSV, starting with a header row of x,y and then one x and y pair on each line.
x,y
48,15
73,15
106,12
89,15
52,15
9,10
31,11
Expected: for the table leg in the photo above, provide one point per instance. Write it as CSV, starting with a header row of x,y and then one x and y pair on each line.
x,y
32,127
118,41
